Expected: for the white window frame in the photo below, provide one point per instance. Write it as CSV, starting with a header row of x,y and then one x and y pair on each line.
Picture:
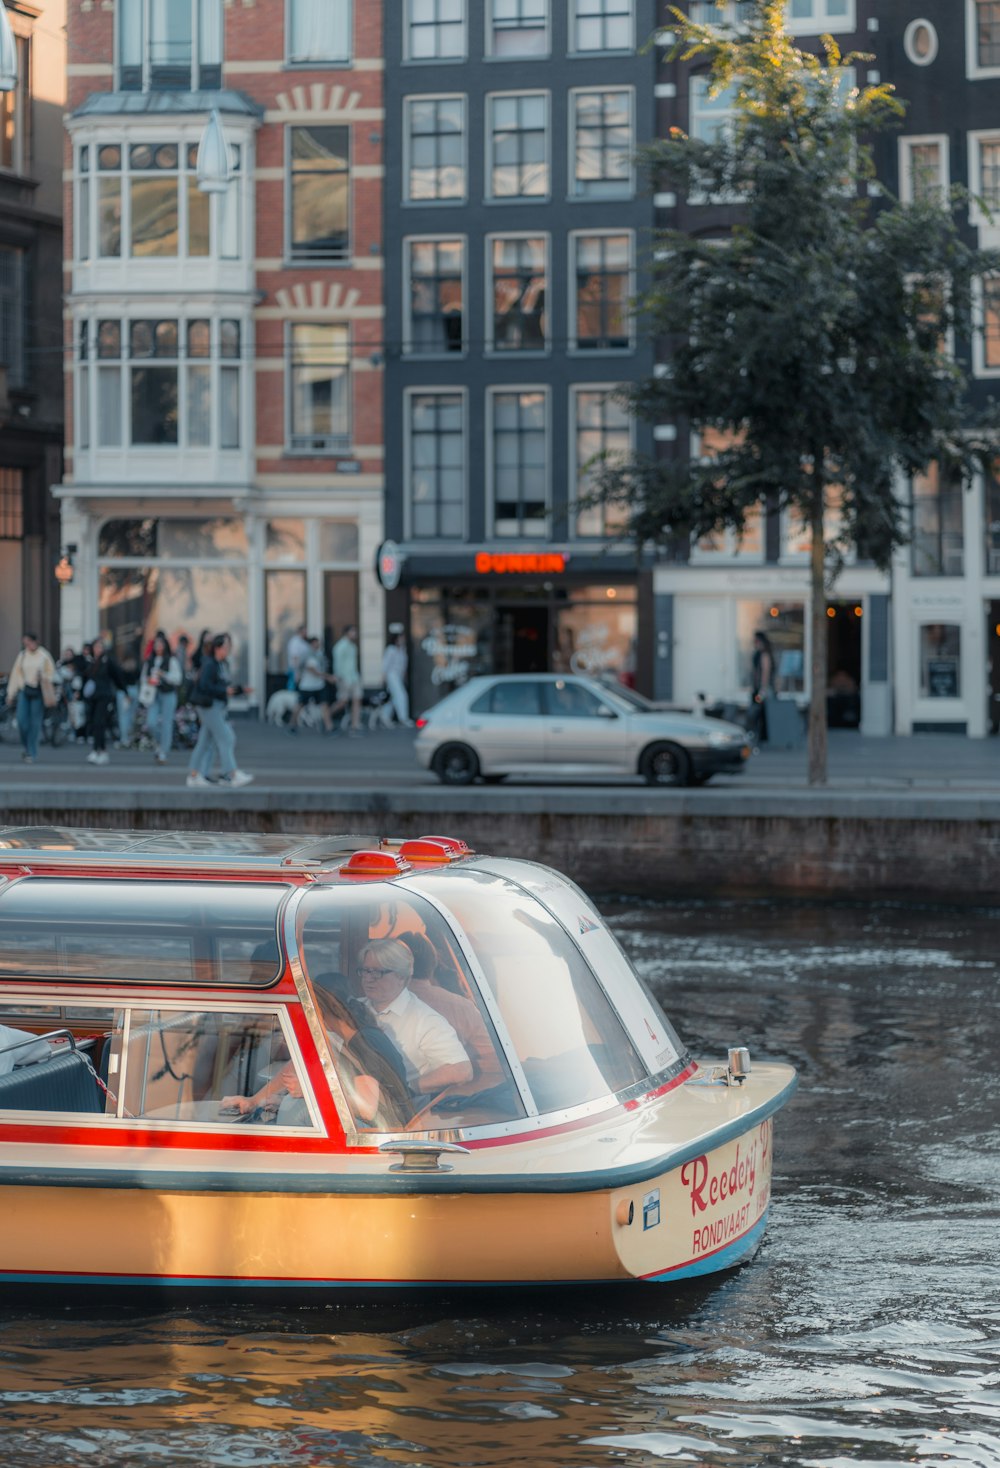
x,y
196,61
573,346
296,64
411,60
488,37
571,178
575,389
332,447
408,101
821,23
973,70
432,390
906,146
975,154
574,49
442,237
320,262
511,352
979,364
908,37
488,132
492,534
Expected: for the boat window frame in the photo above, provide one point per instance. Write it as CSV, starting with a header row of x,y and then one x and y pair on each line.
x,y
283,886
225,1127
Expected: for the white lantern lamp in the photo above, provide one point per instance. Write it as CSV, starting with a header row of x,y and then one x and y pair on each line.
x,y
215,163
8,53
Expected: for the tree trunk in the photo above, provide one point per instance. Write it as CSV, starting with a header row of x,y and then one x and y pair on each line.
x,y
818,661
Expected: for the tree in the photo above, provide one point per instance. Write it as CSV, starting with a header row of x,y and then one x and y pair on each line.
x,y
809,339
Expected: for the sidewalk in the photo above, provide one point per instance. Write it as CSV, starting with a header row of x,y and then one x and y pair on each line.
x,y
383,761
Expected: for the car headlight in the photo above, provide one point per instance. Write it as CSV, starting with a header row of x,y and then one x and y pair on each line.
x,y
724,741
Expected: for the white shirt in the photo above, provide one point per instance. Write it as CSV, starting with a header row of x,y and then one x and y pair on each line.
x,y
297,649
423,1037
311,670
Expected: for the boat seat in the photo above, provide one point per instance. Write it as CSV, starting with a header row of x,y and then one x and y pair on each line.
x,y
63,1083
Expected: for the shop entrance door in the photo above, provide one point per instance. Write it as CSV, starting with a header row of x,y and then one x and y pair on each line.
x,y
522,639
993,665
843,664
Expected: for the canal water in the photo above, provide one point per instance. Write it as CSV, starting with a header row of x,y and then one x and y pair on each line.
x,y
866,1330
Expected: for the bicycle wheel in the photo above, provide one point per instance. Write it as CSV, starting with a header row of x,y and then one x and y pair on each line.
x,y
55,729
9,732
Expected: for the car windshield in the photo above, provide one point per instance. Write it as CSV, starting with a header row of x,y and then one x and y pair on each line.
x,y
626,695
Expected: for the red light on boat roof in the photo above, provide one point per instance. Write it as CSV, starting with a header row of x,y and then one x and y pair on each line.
x,y
428,851
374,864
452,844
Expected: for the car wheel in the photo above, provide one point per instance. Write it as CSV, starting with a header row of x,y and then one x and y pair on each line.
x,y
665,764
493,779
455,764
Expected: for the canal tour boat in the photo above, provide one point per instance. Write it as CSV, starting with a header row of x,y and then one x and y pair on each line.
x,y
287,1064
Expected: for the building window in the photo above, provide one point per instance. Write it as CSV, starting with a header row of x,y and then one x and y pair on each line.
x,y
11,504
709,115
109,384
436,465
13,114
602,429
937,544
518,27
923,169
602,144
435,292
940,660
81,217
601,284
920,42
170,45
154,355
435,149
811,17
519,294
319,31
155,186
518,157
520,468
320,193
319,389
435,30
602,25
13,305
987,34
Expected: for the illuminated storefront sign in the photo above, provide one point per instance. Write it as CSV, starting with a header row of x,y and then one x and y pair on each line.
x,y
549,564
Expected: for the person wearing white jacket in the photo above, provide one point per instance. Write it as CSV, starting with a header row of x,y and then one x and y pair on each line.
x,y
161,678
394,665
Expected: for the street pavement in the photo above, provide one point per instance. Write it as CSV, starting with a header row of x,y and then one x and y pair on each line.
x,y
383,761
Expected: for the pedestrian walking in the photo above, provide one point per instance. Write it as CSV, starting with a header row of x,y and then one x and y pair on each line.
x,y
761,686
105,679
158,688
295,655
348,675
313,684
394,665
32,686
216,738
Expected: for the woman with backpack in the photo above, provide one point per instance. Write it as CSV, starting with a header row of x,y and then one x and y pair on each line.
x,y
158,687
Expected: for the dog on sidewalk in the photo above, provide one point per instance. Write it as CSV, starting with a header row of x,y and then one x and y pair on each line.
x,y
281,706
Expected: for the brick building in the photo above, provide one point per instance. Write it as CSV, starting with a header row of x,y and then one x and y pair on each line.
x,y
224,454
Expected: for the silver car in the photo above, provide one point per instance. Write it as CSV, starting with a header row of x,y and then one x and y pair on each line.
x,y
545,724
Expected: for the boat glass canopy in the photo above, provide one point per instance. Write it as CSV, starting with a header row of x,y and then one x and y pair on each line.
x,y
146,932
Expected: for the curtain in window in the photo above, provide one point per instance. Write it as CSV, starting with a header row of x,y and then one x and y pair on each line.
x,y
320,30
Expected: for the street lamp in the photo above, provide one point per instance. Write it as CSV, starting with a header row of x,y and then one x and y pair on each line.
x,y
8,53
215,164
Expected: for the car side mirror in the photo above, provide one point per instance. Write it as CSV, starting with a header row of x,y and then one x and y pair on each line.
x,y
603,712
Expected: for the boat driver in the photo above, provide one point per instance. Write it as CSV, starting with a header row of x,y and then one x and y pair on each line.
x,y
433,1054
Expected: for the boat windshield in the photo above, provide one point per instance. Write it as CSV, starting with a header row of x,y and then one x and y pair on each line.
x,y
143,932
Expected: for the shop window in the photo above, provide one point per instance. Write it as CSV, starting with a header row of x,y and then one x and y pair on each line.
x,y
518,146
436,465
319,31
602,25
602,437
319,388
134,600
285,609
519,289
602,287
319,191
436,290
338,541
603,144
938,543
435,149
596,633
520,462
940,660
783,624
451,640
435,30
170,45
518,27
285,542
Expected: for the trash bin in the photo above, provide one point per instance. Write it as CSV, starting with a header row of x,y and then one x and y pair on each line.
x,y
784,723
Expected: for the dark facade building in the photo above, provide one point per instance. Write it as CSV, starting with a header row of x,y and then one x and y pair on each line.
x,y
517,229
31,400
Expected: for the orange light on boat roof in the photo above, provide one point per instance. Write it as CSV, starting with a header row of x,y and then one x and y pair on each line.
x,y
375,864
452,844
428,851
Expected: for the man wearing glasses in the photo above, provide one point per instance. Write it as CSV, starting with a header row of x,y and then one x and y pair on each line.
x,y
432,1052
